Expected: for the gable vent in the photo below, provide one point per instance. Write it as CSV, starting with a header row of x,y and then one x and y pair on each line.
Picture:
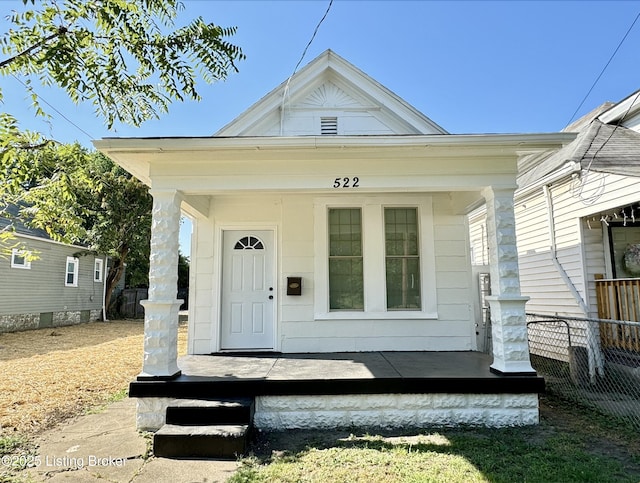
x,y
328,125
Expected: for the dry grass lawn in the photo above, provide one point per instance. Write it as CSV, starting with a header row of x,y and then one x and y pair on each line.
x,y
52,374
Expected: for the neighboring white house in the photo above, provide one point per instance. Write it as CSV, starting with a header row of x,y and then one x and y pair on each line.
x,y
331,216
577,212
44,283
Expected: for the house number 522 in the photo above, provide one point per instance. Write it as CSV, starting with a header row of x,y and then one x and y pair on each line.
x,y
346,182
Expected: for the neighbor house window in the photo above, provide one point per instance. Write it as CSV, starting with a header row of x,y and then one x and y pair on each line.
x,y
621,237
345,259
97,270
71,275
20,259
402,258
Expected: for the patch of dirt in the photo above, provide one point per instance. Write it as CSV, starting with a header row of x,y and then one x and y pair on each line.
x,y
56,373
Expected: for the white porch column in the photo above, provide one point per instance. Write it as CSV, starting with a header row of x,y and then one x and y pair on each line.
x,y
161,309
508,317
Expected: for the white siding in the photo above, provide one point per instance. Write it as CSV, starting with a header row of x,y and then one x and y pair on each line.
x,y
633,123
478,237
297,328
594,254
580,249
542,280
615,191
453,274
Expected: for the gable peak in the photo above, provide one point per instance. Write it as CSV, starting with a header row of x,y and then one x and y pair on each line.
x,y
330,82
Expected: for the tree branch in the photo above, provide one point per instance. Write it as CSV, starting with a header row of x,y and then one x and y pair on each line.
x,y
61,31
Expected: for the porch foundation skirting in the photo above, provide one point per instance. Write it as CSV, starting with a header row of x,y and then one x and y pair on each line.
x,y
386,411
396,411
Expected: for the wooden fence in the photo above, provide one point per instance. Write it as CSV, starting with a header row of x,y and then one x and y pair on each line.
x,y
131,298
619,299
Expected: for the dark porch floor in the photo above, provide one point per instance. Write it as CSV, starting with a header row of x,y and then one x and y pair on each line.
x,y
258,374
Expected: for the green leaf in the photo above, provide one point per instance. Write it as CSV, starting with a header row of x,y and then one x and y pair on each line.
x,y
120,55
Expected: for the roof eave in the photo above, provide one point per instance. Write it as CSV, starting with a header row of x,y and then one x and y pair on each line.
x,y
628,107
524,141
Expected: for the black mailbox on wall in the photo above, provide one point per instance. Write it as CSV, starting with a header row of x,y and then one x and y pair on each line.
x,y
294,285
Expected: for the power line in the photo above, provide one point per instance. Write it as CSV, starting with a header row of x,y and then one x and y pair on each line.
x,y
587,172
295,69
42,99
604,68
313,37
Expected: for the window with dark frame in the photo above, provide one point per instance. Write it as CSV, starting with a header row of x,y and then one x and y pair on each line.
x,y
402,259
346,285
621,236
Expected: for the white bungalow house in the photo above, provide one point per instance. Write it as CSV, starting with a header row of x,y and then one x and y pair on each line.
x,y
330,217
577,213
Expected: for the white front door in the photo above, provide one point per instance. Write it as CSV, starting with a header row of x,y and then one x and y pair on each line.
x,y
248,292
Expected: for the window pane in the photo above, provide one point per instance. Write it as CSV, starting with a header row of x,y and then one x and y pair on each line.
x,y
345,259
345,284
401,231
403,283
402,258
621,237
72,271
97,271
345,233
249,243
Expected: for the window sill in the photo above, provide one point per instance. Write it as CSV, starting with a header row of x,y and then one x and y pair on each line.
x,y
391,315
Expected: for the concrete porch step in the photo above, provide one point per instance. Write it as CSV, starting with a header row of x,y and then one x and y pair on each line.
x,y
198,412
208,441
205,428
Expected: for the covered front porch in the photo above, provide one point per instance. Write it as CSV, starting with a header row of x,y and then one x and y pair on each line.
x,y
388,389
412,365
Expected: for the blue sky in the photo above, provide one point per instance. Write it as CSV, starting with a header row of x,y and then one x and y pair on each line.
x,y
471,66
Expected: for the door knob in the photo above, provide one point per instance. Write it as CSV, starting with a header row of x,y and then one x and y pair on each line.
x,y
270,297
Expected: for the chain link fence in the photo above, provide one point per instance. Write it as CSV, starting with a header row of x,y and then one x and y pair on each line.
x,y
592,362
